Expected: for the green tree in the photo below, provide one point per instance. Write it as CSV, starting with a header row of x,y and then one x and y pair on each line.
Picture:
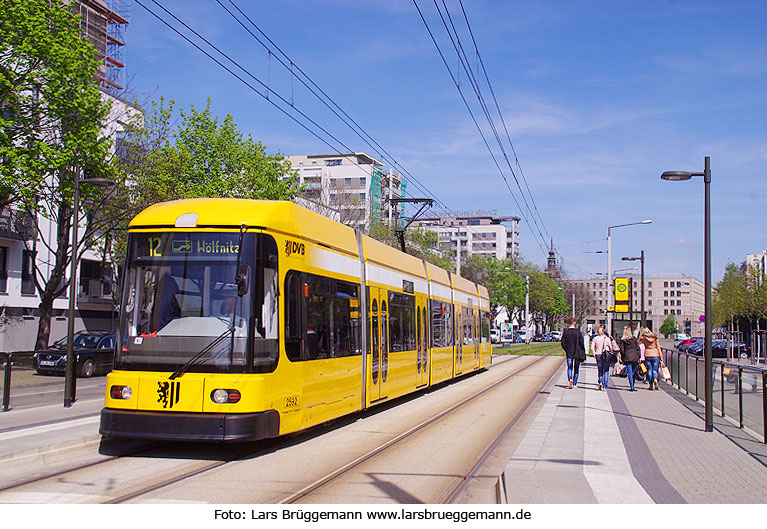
x,y
202,157
729,297
505,286
51,117
668,326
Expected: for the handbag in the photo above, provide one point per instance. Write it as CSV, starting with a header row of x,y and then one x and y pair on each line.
x,y
607,354
665,373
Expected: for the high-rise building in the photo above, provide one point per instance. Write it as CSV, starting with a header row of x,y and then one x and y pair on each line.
x,y
476,233
352,188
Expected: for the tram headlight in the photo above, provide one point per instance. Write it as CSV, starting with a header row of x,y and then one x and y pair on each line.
x,y
225,396
121,392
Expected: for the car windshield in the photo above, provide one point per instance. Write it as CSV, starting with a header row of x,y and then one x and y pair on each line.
x,y
184,290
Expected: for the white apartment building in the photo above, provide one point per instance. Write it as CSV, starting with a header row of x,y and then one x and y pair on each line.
x,y
677,294
353,188
477,233
758,261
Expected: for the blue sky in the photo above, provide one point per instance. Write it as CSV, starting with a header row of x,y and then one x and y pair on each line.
x,y
599,99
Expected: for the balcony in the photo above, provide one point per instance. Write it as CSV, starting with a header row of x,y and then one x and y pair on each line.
x,y
16,225
94,291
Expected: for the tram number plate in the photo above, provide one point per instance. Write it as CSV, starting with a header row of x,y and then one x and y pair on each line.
x,y
291,402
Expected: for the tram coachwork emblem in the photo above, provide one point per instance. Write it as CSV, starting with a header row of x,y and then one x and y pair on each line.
x,y
168,393
294,248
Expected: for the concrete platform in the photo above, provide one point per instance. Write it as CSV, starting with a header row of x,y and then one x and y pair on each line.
x,y
616,446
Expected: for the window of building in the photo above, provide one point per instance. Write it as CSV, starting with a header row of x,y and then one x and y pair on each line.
x,y
665,311
332,163
649,284
665,293
671,293
27,272
649,302
665,302
473,222
362,196
679,303
649,293
665,284
363,181
3,269
347,181
678,293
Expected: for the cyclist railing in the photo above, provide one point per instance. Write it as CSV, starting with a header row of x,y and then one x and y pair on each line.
x,y
738,391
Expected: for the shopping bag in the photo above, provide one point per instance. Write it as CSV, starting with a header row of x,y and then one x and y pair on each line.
x,y
665,373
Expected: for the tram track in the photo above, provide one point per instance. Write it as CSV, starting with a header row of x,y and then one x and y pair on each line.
x,y
186,471
455,489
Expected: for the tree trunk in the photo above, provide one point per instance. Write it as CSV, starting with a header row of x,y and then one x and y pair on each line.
x,y
53,285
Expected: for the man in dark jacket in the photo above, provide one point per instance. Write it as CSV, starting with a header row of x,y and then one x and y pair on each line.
x,y
572,343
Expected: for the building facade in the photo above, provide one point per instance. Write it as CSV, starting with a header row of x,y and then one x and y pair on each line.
x,y
679,295
352,188
476,233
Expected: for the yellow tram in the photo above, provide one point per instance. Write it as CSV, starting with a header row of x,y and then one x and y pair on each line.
x,y
243,320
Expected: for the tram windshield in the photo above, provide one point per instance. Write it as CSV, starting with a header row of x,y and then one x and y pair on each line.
x,y
198,293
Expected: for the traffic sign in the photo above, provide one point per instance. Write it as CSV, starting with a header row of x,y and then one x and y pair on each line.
x,y
702,318
621,289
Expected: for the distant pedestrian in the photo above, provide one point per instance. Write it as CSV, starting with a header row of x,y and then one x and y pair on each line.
x,y
599,345
652,355
629,354
572,343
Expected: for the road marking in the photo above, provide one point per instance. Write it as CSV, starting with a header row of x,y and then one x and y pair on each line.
x,y
49,428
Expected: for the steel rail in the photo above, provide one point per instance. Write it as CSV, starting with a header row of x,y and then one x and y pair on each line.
x,y
453,492
331,477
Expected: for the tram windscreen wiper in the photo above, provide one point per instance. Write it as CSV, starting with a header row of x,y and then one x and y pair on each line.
x,y
241,280
195,359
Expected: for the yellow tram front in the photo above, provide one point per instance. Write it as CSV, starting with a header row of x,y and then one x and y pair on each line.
x,y
198,324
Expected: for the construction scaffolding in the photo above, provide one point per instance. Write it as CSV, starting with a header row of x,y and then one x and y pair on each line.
x,y
104,23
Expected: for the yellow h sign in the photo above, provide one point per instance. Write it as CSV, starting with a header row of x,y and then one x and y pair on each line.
x,y
621,290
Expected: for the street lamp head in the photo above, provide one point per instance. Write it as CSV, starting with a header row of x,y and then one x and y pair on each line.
x,y
630,258
675,176
648,221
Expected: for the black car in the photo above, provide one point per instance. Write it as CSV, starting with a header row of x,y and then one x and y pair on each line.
x,y
94,350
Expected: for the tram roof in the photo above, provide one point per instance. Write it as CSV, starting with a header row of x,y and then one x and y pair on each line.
x,y
230,213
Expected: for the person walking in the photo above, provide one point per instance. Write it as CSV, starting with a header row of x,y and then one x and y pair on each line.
x,y
652,355
599,345
572,343
629,354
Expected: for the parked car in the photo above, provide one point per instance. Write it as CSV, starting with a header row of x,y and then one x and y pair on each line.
x,y
719,349
95,355
682,347
556,336
495,335
538,338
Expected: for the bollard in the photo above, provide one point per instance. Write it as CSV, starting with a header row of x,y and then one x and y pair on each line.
x,y
7,381
740,395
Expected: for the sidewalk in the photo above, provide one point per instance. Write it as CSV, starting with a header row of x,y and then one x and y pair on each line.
x,y
617,446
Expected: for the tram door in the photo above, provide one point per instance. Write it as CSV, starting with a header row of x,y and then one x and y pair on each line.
x,y
477,339
379,344
422,343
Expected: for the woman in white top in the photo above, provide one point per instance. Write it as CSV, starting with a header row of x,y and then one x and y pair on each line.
x,y
599,345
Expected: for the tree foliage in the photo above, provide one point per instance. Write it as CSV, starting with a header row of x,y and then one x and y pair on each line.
x,y
201,157
51,110
668,326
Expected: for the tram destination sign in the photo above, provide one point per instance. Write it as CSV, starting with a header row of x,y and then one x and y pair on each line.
x,y
186,244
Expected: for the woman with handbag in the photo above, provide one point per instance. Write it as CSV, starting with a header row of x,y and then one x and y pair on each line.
x,y
629,354
601,348
652,353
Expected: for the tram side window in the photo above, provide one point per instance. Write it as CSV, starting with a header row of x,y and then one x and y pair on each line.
x,y
484,319
401,322
322,317
441,324
466,326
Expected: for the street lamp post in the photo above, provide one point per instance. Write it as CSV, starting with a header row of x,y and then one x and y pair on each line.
x,y
707,363
610,298
641,283
70,377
